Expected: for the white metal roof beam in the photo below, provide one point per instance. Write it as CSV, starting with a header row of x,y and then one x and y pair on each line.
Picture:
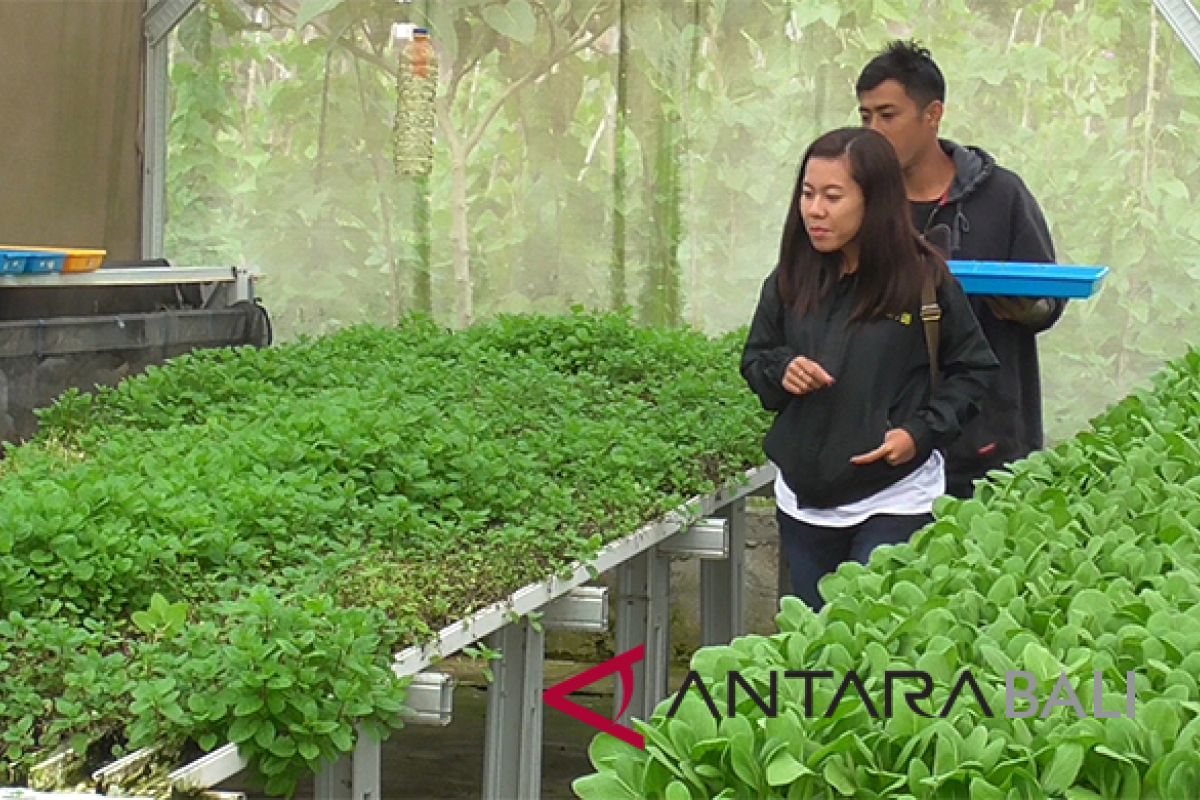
x,y
1185,19
162,16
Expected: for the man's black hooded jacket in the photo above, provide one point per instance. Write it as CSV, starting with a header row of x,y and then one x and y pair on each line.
x,y
992,216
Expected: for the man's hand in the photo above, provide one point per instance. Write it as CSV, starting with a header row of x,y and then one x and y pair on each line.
x,y
804,375
1022,310
897,448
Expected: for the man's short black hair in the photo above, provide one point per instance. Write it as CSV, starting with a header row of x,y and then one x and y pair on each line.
x,y
909,64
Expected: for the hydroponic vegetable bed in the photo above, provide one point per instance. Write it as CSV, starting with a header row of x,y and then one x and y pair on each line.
x,y
233,547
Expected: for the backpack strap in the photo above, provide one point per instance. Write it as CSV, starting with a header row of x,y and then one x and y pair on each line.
x,y
931,315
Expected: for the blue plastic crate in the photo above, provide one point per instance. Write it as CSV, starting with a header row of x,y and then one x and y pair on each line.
x,y
1018,279
44,263
12,262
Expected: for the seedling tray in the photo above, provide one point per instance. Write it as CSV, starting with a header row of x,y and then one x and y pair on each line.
x,y
1018,279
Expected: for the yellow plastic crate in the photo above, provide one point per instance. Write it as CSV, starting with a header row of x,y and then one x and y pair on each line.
x,y
83,260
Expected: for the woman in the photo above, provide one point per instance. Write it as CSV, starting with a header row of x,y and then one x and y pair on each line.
x,y
838,348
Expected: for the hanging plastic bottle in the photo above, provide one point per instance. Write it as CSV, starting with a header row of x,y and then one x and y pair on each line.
x,y
416,88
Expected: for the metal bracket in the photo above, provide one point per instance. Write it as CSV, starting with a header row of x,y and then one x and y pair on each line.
x,y
430,699
583,609
708,538
244,281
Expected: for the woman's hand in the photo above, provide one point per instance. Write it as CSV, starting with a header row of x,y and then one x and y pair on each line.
x,y
803,375
897,448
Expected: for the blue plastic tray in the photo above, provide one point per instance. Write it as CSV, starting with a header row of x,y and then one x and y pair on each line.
x,y
1017,279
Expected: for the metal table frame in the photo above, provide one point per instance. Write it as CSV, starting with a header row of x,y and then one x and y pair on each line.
x,y
238,282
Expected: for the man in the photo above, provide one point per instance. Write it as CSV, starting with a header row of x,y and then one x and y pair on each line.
x,y
975,211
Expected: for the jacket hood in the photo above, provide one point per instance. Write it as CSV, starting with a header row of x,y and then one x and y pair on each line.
x,y
972,166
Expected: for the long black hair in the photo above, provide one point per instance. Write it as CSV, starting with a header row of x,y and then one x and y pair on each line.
x,y
893,262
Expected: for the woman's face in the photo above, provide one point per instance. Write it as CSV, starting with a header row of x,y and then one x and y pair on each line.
x,y
831,204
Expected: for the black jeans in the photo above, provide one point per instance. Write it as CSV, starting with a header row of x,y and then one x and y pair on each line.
x,y
814,551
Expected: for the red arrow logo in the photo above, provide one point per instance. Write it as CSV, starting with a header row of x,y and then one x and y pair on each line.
x,y
556,695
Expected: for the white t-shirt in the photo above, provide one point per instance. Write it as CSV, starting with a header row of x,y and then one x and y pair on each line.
x,y
912,494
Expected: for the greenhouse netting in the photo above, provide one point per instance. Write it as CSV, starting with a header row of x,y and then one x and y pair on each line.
x,y
642,153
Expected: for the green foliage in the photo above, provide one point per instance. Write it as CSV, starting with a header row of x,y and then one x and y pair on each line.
x,y
232,547
1083,558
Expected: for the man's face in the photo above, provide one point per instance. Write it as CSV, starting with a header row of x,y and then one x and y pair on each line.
x,y
889,110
